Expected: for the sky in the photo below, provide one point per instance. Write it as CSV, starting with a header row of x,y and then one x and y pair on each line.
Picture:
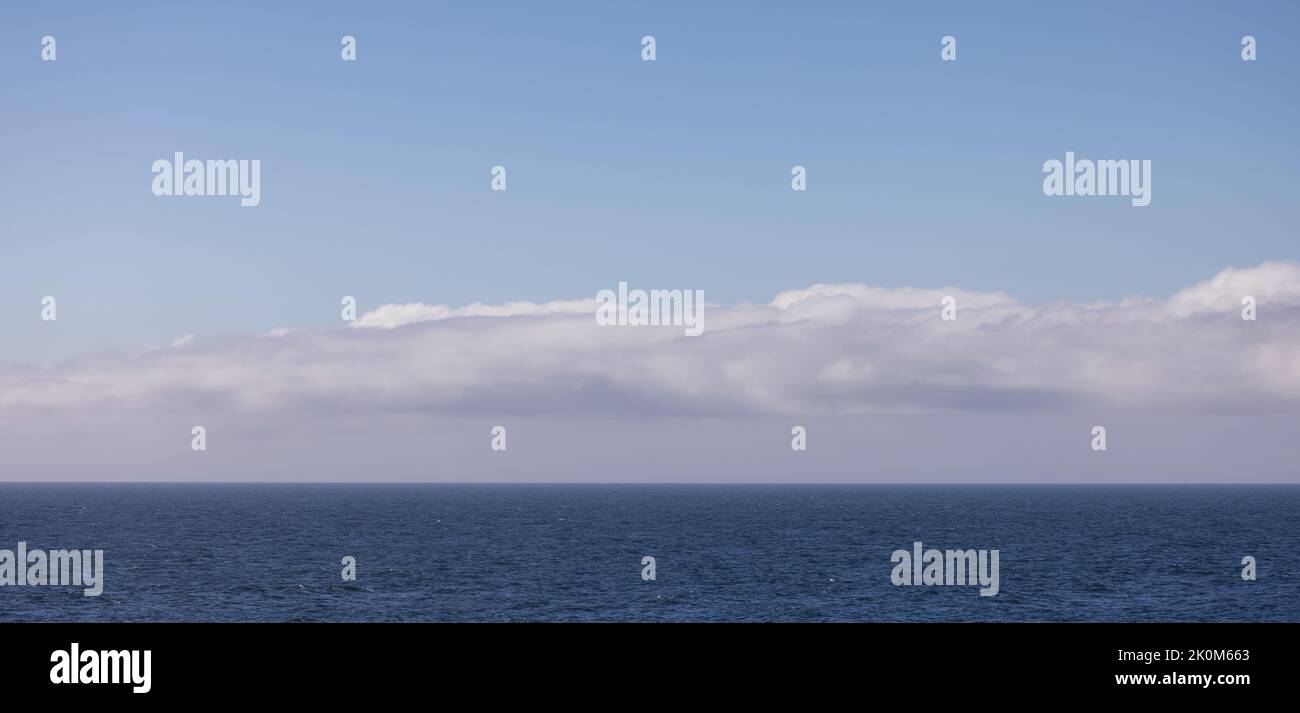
x,y
924,180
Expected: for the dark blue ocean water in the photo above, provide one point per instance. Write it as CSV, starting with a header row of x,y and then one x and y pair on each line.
x,y
724,553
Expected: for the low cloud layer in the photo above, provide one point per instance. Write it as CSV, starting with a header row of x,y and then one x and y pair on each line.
x,y
823,350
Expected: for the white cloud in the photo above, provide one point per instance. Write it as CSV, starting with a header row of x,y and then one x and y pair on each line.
x,y
390,316
826,349
1273,282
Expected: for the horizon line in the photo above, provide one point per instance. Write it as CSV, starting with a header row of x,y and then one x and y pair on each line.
x,y
631,482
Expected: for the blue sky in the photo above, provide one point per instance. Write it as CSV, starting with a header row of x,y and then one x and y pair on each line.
x,y
925,182
673,173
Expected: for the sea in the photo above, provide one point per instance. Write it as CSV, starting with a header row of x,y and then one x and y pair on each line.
x,y
721,553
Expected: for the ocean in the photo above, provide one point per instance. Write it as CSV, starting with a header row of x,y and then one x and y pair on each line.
x,y
722,553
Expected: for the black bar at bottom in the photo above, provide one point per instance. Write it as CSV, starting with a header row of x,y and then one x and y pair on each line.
x,y
929,664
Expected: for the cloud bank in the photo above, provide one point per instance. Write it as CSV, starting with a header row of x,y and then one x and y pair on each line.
x,y
824,350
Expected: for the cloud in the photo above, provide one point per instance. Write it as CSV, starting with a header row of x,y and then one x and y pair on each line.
x,y
820,350
1273,282
390,316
